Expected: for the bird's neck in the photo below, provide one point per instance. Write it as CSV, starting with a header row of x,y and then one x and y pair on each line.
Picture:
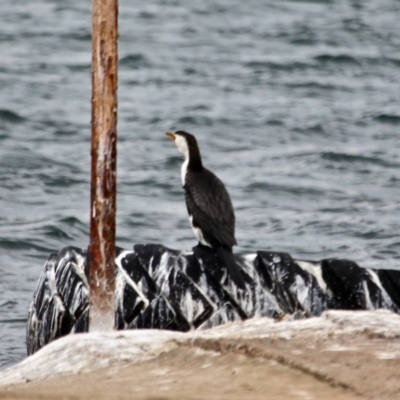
x,y
192,163
194,160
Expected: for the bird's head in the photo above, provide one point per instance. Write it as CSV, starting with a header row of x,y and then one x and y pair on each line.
x,y
185,142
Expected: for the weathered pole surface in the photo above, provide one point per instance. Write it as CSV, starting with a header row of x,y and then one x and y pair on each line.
x,y
103,173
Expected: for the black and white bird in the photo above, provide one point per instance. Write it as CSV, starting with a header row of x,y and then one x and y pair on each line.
x,y
208,203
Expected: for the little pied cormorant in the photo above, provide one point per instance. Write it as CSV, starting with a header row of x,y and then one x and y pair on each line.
x,y
208,203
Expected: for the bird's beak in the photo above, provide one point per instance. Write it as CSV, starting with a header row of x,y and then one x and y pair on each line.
x,y
170,135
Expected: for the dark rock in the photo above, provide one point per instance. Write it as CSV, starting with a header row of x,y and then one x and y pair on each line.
x,y
160,288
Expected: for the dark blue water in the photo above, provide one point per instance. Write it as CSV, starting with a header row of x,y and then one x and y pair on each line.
x,y
295,105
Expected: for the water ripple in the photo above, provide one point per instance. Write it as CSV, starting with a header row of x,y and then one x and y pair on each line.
x,y
357,158
134,61
10,116
388,119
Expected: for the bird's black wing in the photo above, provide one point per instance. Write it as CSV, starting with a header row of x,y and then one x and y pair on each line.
x,y
209,204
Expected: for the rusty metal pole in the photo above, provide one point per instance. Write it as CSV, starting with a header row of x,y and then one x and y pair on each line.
x,y
103,174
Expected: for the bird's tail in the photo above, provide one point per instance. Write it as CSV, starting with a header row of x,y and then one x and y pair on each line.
x,y
226,257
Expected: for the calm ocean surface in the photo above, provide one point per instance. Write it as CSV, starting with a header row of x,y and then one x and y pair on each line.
x,y
295,105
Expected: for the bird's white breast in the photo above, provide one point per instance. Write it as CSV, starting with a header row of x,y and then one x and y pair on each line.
x,y
184,170
182,146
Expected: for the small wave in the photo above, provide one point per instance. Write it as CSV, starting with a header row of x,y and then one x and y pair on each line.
x,y
195,120
13,320
81,10
305,41
333,156
53,232
211,9
317,85
190,71
339,59
65,132
394,61
79,67
318,128
82,36
388,119
73,221
346,59
23,158
62,181
6,37
147,15
373,234
18,244
10,116
274,122
277,188
155,121
8,304
137,220
134,61
355,158
313,1
261,66
73,227
198,107
133,82
173,161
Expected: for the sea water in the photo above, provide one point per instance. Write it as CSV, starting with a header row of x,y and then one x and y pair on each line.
x,y
295,105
